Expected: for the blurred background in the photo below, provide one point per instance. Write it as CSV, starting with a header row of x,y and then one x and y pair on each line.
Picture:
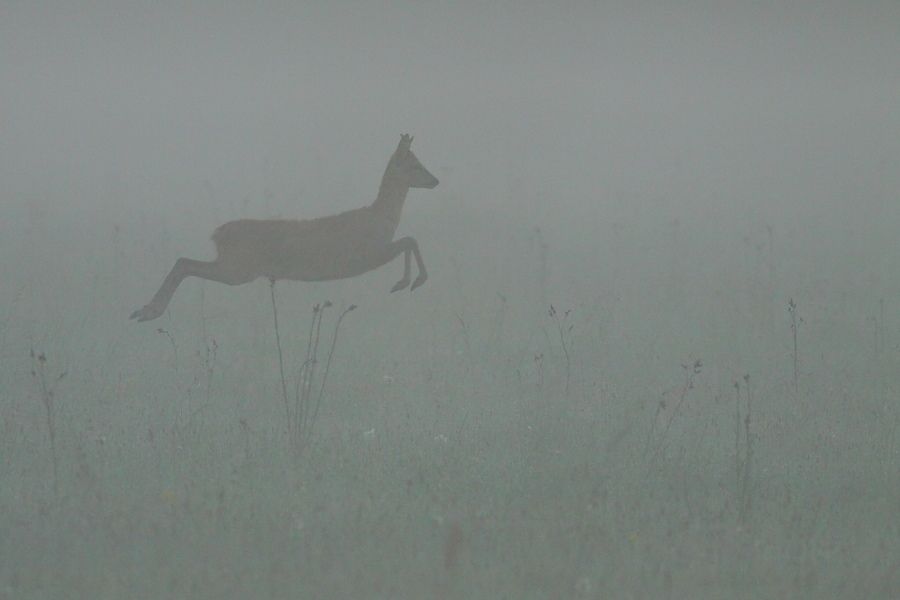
x,y
668,176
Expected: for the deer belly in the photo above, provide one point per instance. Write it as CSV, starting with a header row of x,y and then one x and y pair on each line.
x,y
331,261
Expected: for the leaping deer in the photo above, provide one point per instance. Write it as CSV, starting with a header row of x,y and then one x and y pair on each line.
x,y
333,247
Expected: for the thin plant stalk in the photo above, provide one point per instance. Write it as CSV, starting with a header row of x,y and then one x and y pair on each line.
x,y
287,409
795,326
743,460
738,463
308,371
691,371
38,362
748,457
308,403
334,338
562,341
165,332
302,388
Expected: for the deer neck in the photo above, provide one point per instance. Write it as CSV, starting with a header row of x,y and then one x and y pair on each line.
x,y
391,196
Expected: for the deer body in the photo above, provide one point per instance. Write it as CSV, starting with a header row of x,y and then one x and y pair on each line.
x,y
333,247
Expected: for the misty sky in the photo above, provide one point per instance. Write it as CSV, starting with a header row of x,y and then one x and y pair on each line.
x,y
137,106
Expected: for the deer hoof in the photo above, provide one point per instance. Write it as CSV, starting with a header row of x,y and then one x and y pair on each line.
x,y
419,281
147,313
400,285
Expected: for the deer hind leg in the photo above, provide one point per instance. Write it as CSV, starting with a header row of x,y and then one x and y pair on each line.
x,y
410,248
188,267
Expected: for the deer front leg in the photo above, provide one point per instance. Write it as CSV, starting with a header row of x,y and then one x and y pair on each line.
x,y
410,248
423,274
406,267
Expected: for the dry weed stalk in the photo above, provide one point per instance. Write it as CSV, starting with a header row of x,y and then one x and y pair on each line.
x,y
302,415
795,327
743,460
563,341
690,372
48,399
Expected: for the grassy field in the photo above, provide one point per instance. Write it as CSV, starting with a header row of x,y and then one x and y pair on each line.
x,y
648,437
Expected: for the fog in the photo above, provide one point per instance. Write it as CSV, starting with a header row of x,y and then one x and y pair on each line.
x,y
656,355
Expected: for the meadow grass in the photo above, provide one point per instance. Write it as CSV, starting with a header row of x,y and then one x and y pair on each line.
x,y
641,457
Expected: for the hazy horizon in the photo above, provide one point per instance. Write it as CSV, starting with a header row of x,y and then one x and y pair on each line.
x,y
671,173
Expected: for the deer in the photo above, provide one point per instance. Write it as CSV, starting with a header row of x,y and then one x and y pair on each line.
x,y
338,246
